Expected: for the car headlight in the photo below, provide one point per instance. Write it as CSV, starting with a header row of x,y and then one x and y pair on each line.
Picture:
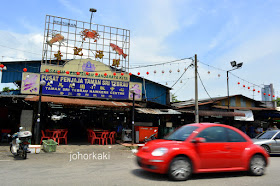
x,y
159,152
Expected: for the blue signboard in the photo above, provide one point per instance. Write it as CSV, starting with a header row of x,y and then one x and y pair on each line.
x,y
84,87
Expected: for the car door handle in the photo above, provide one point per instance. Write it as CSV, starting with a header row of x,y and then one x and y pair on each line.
x,y
227,147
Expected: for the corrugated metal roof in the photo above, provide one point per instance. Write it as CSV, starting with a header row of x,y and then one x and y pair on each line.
x,y
191,102
244,108
214,113
156,111
82,102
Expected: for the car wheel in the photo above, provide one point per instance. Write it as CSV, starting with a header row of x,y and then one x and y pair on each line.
x,y
180,169
266,148
257,165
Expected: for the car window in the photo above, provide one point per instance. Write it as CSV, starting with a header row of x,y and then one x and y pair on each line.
x,y
277,136
234,136
213,134
182,133
267,135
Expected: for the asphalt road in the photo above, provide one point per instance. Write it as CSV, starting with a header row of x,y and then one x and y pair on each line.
x,y
118,167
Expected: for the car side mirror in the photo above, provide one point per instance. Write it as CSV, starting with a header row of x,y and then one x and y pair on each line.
x,y
198,140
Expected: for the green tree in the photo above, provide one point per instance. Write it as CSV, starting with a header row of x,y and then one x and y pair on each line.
x,y
174,98
7,89
277,101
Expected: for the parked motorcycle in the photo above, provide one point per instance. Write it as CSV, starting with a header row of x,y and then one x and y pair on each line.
x,y
20,143
152,137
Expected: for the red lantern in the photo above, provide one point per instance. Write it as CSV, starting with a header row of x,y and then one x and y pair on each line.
x,y
238,83
1,66
243,85
122,74
105,74
78,73
96,74
273,96
258,91
130,73
254,90
248,87
87,73
268,94
67,72
138,73
114,73
147,73
264,93
47,70
25,69
58,72
162,71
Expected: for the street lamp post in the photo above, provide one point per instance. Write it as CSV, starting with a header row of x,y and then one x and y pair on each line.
x,y
234,66
133,108
91,10
37,127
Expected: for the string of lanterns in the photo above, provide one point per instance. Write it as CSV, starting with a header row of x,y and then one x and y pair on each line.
x,y
255,90
249,88
78,73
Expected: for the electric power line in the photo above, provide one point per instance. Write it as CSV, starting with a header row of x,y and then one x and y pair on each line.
x,y
204,87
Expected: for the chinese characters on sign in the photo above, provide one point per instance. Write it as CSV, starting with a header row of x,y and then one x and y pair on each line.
x,y
85,87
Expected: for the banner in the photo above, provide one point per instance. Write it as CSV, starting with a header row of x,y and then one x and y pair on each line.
x,y
89,87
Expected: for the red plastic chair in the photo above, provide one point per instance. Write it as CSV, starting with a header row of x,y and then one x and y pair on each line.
x,y
104,138
48,133
54,135
43,136
93,137
112,137
89,134
62,135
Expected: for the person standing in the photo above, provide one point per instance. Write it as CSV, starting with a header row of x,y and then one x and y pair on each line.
x,y
259,130
251,131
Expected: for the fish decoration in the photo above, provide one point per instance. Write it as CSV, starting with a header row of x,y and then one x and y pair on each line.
x,y
118,50
57,38
89,34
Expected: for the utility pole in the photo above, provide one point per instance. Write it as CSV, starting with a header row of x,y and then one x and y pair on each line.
x,y
196,91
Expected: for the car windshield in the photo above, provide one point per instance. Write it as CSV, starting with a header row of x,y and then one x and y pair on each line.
x,y
181,134
267,135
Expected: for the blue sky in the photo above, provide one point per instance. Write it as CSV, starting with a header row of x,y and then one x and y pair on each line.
x,y
218,31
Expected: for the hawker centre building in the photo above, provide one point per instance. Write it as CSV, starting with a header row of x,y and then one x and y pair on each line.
x,y
82,94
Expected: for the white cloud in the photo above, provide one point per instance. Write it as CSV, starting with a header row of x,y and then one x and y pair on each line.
x,y
15,46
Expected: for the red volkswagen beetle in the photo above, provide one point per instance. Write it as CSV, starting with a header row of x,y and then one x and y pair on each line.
x,y
201,148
